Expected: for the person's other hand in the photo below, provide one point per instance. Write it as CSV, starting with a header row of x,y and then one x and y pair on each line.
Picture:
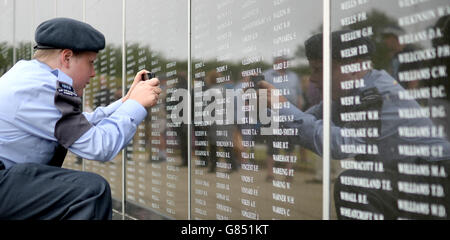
x,y
270,92
146,92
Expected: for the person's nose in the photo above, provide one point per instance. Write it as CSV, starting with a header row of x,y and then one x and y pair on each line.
x,y
92,73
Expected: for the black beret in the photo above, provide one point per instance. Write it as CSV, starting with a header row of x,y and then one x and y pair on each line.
x,y
66,33
314,48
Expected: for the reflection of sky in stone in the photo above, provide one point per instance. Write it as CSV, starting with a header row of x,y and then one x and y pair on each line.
x,y
106,16
23,22
70,9
160,24
163,24
30,13
6,15
42,11
168,19
252,25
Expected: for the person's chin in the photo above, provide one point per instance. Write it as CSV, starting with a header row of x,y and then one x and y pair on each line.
x,y
79,93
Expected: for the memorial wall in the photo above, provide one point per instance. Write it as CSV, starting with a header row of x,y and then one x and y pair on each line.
x,y
156,158
245,164
223,144
106,86
391,94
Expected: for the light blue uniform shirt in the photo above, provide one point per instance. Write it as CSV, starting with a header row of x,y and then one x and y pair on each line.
x,y
28,116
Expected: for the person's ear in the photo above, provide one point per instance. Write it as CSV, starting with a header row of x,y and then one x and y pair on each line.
x,y
65,57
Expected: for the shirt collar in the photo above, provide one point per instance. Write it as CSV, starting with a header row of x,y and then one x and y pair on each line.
x,y
60,75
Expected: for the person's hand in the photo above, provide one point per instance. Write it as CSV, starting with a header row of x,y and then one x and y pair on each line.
x,y
137,79
146,92
270,92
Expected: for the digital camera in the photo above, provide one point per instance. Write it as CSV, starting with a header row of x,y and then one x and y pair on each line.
x,y
148,76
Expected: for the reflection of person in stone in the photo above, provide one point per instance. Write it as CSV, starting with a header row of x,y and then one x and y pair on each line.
x,y
219,131
370,123
390,40
390,37
289,82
